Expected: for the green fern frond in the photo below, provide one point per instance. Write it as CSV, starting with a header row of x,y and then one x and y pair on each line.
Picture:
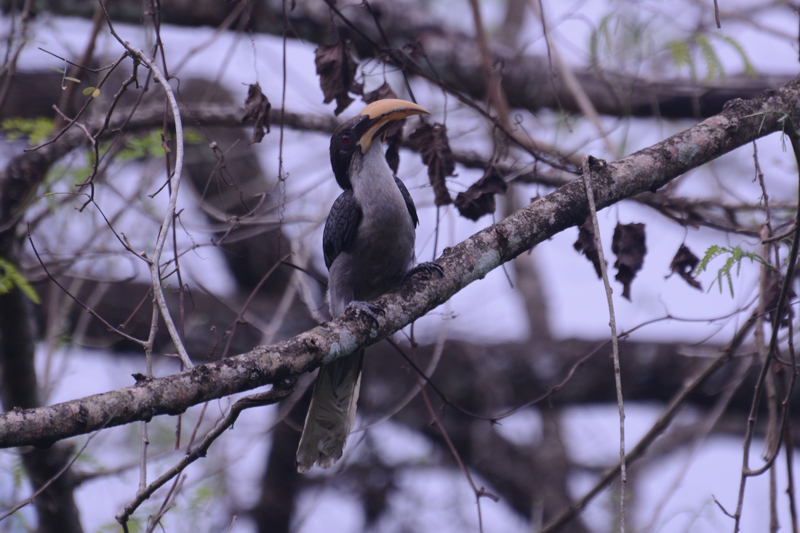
x,y
679,51
749,69
600,40
712,252
736,256
710,57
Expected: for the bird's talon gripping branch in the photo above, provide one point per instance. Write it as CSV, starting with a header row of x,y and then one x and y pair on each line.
x,y
368,309
429,268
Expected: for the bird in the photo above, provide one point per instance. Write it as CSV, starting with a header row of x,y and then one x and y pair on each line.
x,y
368,246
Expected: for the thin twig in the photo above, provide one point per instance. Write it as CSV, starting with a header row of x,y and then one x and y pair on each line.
x,y
479,492
252,295
50,481
780,236
291,291
155,274
496,95
658,427
276,394
11,62
771,354
78,115
787,432
700,435
612,322
143,455
221,29
407,62
84,306
410,395
574,86
81,126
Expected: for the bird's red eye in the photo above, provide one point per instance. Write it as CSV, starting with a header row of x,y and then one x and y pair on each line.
x,y
346,138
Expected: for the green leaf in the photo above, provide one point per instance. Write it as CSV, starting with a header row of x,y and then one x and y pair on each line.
x,y
76,80
10,277
600,37
56,69
710,57
35,129
748,66
89,90
680,53
736,256
192,136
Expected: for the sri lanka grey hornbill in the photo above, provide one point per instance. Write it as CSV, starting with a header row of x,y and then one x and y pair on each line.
x,y
368,245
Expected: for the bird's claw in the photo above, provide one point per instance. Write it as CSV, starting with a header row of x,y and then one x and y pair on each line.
x,y
428,268
368,309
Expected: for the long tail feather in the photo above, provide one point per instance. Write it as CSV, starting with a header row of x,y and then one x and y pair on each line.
x,y
331,414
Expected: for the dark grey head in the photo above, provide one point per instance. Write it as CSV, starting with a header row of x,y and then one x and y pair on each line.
x,y
354,137
344,145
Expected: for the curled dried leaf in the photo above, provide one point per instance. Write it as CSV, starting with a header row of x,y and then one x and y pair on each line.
x,y
257,107
479,200
381,93
683,264
773,295
629,246
434,146
587,245
336,69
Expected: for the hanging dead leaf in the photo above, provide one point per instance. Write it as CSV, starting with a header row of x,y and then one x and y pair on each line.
x,y
588,246
773,294
683,264
433,145
629,246
479,200
381,93
393,135
336,69
257,107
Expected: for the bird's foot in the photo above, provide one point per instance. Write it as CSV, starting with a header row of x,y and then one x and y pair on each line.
x,y
429,268
367,308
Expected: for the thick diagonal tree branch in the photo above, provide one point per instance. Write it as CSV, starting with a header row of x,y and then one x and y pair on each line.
x,y
647,170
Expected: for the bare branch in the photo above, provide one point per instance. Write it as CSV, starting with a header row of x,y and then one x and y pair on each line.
x,y
588,163
175,179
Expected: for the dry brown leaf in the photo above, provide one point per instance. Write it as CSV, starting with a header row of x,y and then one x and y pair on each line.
x,y
773,294
629,246
434,147
587,245
479,200
683,264
257,107
337,74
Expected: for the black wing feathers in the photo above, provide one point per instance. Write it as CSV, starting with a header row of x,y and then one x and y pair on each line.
x,y
344,218
341,226
412,209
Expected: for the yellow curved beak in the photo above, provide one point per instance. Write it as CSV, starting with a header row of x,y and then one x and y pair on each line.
x,y
382,112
